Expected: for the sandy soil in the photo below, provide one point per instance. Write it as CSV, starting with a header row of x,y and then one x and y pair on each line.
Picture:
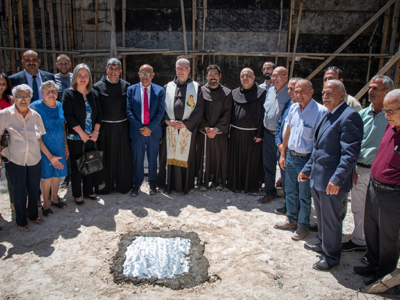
x,y
70,255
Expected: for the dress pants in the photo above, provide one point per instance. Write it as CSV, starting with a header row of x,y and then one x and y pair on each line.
x,y
75,152
358,199
382,227
328,210
298,194
150,145
24,180
269,151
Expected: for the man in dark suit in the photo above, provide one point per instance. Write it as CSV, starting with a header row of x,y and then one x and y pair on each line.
x,y
337,144
145,110
31,75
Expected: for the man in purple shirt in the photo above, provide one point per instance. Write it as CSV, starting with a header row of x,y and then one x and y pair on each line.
x,y
382,209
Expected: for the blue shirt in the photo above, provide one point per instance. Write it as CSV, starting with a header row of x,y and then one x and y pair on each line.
x,y
274,104
374,129
303,125
265,86
63,84
38,81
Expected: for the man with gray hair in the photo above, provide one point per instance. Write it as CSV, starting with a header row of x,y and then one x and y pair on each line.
x,y
382,209
183,113
336,146
117,173
374,125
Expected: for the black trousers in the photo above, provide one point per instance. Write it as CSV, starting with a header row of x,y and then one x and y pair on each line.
x,y
24,180
75,152
382,227
328,210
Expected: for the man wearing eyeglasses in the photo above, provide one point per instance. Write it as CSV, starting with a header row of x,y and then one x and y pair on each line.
x,y
336,73
267,70
382,209
183,113
374,124
212,142
145,110
275,101
113,138
31,75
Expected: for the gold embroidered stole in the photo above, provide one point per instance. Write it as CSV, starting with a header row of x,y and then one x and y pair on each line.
x,y
178,141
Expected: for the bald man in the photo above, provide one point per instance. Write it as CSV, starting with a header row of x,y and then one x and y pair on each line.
x,y
31,75
145,110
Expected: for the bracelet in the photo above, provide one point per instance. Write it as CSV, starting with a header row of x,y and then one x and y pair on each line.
x,y
96,130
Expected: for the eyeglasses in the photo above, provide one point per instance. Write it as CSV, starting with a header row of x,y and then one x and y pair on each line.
x,y
83,76
213,75
389,111
145,74
23,98
182,69
267,68
114,70
276,76
246,75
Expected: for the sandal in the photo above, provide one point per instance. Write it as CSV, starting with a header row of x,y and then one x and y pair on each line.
x,y
59,204
38,221
47,212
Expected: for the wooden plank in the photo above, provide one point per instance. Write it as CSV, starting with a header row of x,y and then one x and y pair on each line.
x,y
397,74
11,35
184,26
83,27
31,25
292,2
59,25
44,40
280,33
52,36
382,71
123,37
194,17
74,28
395,25
381,286
113,41
40,50
204,26
20,25
352,38
64,12
385,35
96,35
296,39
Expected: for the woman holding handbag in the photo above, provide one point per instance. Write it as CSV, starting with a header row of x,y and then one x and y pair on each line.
x,y
82,112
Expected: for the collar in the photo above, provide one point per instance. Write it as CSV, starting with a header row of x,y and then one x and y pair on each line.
x,y
336,108
142,87
282,90
29,76
308,107
371,111
13,110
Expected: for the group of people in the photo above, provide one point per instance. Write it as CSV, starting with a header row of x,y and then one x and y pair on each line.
x,y
210,136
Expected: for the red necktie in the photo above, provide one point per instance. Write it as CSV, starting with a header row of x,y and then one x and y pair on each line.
x,y
146,114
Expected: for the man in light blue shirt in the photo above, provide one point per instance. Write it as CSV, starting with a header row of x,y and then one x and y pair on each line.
x,y
275,102
267,70
302,121
374,125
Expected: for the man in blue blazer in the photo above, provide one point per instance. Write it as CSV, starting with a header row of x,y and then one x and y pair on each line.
x,y
337,144
145,110
31,75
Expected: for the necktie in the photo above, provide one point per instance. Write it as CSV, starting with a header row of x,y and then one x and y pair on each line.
x,y
35,89
146,114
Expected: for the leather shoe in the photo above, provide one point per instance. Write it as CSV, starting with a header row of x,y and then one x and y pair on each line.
x,y
364,271
266,199
350,246
299,234
286,225
322,265
95,197
135,191
371,281
313,227
153,191
314,247
281,210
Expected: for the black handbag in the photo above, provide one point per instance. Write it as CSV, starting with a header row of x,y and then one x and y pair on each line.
x,y
90,161
5,139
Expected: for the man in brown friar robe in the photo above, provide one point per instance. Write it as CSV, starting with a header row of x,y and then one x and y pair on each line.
x,y
245,165
183,113
212,139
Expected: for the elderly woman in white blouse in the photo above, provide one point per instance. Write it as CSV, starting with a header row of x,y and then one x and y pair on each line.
x,y
22,157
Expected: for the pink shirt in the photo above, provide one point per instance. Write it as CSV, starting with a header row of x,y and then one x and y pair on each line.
x,y
24,149
386,166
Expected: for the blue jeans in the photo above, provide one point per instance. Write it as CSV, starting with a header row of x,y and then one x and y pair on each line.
x,y
270,159
298,194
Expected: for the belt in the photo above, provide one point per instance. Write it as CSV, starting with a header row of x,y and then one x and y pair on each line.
x,y
119,121
387,187
364,166
299,154
241,128
270,131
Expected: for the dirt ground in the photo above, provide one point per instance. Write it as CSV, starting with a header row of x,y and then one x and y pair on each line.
x,y
70,255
